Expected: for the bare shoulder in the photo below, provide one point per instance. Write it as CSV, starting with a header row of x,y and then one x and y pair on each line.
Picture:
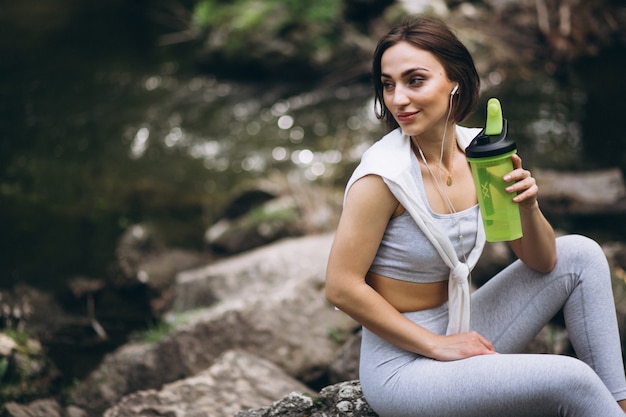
x,y
371,193
368,207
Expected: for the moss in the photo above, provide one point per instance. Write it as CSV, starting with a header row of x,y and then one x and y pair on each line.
x,y
20,337
162,327
156,332
340,336
265,214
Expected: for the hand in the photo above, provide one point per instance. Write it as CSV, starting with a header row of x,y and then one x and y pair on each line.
x,y
525,185
461,346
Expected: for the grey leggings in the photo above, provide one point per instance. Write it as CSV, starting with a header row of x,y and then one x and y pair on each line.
x,y
509,311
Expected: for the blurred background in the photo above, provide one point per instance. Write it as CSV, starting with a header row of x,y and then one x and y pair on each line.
x,y
115,113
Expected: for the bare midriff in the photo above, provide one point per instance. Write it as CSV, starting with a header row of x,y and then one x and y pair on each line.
x,y
409,296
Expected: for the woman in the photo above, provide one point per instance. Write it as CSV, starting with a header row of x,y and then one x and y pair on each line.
x,y
391,267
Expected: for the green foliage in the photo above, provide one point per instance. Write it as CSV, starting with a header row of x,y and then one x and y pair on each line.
x,y
161,327
4,365
264,214
339,336
20,337
242,27
156,332
246,15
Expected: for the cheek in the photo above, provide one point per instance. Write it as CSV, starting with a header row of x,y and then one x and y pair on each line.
x,y
387,99
438,98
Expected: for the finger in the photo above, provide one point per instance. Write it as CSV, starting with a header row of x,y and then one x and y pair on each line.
x,y
529,195
517,174
523,180
517,161
487,344
483,342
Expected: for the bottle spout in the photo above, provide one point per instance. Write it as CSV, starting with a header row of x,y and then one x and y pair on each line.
x,y
492,140
494,124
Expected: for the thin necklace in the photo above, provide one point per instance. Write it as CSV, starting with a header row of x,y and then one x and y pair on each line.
x,y
442,190
437,179
449,179
448,202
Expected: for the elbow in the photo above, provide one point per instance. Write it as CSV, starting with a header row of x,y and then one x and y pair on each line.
x,y
336,293
333,296
551,265
547,265
546,269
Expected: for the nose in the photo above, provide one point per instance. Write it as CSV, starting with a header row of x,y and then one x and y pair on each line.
x,y
400,98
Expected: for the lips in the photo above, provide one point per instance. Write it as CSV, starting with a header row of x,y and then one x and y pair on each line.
x,y
406,116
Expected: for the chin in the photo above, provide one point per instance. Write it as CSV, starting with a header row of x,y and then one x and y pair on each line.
x,y
411,130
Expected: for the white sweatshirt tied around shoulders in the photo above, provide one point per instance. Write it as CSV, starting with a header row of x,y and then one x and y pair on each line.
x,y
390,158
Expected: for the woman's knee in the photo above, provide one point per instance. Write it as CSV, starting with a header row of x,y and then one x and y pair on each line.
x,y
573,377
577,244
579,250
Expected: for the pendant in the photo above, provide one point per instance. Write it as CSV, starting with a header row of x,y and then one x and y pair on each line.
x,y
449,181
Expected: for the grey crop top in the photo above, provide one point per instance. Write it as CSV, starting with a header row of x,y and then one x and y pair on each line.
x,y
406,254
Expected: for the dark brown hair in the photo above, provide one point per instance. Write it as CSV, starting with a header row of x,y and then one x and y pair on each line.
x,y
432,35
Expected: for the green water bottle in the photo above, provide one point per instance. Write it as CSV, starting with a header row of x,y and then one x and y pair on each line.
x,y
489,155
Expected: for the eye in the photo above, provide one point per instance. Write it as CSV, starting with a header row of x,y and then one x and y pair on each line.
x,y
416,80
387,85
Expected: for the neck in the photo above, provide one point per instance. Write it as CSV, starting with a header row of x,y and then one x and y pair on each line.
x,y
434,150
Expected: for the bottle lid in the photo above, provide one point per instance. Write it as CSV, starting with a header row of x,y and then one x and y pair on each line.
x,y
492,140
483,146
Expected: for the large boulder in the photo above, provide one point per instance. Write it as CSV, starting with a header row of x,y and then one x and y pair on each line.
x,y
236,381
269,301
254,273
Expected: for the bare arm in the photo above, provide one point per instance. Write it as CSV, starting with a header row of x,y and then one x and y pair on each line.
x,y
537,247
368,208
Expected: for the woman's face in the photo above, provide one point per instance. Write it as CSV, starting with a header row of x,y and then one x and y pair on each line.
x,y
416,89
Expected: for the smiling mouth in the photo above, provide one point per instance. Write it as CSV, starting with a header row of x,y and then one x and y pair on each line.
x,y
406,115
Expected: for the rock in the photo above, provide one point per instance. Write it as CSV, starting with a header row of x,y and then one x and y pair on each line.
x,y
158,274
26,373
345,365
7,346
257,271
144,260
576,193
273,220
137,244
236,381
279,207
340,400
247,201
46,407
271,303
38,408
16,306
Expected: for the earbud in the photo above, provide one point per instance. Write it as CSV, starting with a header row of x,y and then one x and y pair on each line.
x,y
454,90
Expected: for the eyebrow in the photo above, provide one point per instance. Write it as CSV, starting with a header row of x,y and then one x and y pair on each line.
x,y
406,72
